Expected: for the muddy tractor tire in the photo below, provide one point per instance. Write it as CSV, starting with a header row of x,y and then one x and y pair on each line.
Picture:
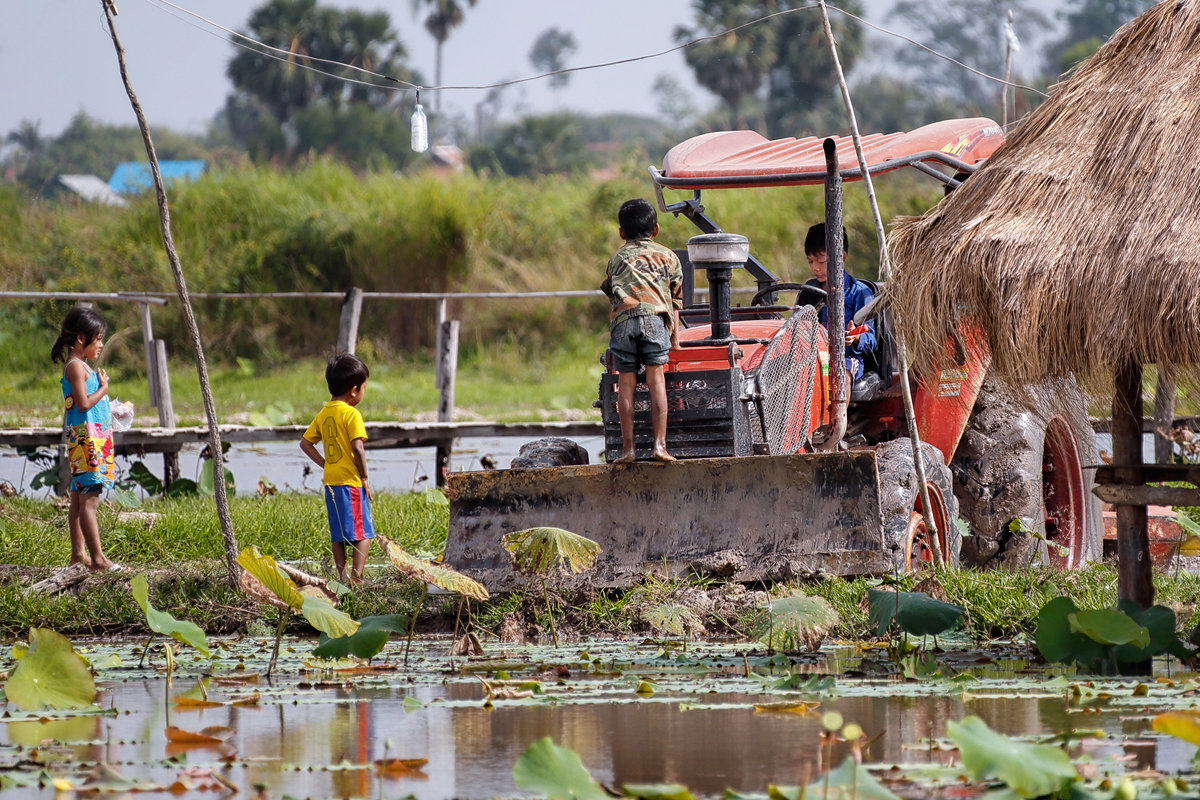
x,y
905,527
552,451
1021,459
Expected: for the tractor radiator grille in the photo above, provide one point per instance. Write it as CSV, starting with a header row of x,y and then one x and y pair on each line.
x,y
786,377
704,416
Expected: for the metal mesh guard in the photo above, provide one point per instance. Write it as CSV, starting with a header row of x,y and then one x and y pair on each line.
x,y
786,377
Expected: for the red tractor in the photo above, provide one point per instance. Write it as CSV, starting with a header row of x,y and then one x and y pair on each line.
x,y
772,482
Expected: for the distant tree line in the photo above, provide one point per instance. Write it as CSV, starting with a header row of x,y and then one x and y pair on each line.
x,y
775,76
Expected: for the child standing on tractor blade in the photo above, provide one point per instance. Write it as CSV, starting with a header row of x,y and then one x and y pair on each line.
x,y
644,282
347,496
87,427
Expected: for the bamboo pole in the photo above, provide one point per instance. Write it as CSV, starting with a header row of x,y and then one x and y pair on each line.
x,y
164,219
885,267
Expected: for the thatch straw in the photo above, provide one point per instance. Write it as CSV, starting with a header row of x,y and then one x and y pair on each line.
x,y
1077,246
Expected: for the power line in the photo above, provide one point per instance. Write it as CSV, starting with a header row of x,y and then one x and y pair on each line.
x,y
286,56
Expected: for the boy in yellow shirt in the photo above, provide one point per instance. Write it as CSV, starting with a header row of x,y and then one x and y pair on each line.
x,y
347,497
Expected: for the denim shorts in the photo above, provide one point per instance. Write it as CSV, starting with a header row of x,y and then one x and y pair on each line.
x,y
640,340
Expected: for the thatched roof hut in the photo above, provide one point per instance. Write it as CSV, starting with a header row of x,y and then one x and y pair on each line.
x,y
1077,246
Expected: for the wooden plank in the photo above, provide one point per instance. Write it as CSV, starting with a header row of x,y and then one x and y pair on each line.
x,y
1150,473
380,434
1134,576
1120,495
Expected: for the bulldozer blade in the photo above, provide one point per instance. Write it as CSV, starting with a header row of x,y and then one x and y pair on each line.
x,y
746,519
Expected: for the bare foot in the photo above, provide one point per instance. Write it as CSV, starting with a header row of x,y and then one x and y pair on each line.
x,y
101,564
78,560
626,458
661,454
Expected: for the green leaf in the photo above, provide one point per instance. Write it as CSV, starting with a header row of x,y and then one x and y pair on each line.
x,y
140,474
429,572
322,615
1159,621
125,498
263,567
367,641
555,773
795,622
50,675
916,613
1030,770
657,791
1056,640
1109,626
536,551
435,497
161,622
182,487
207,485
672,619
850,781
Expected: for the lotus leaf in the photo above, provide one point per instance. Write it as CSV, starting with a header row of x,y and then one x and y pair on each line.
x,y
161,622
555,773
264,569
916,613
673,619
438,574
795,622
367,641
850,781
50,675
1030,770
321,614
1109,626
536,551
1180,724
657,791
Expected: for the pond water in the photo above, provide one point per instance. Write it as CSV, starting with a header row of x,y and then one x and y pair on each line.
x,y
316,733
282,463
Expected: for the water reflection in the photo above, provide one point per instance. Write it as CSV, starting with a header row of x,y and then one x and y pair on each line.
x,y
321,742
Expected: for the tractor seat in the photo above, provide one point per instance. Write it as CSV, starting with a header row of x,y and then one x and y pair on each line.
x,y
867,388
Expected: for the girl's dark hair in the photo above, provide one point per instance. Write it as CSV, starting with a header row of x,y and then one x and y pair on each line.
x,y
80,321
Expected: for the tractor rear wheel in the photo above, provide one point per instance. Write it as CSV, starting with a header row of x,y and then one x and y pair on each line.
x,y
1021,460
905,520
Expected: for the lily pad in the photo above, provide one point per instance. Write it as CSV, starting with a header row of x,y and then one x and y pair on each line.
x,y
429,572
795,622
916,613
555,772
1030,770
50,675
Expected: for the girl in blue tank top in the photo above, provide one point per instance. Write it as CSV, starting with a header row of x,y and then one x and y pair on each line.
x,y
87,431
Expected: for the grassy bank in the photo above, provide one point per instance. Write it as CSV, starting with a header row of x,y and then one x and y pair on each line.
x,y
180,550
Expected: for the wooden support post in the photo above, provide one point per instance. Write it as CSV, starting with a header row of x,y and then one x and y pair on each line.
x,y
348,328
1134,578
448,369
439,318
148,343
166,410
1164,415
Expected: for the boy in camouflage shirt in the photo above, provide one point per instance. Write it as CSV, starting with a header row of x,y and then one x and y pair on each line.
x,y
645,285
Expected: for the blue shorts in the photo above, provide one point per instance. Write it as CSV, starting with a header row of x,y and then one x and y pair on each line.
x,y
349,514
640,340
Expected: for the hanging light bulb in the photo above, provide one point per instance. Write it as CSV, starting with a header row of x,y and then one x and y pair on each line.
x,y
420,127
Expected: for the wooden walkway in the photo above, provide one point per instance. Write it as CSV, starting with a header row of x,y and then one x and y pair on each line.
x,y
379,434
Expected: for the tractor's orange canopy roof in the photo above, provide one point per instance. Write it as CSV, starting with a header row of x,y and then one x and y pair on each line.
x,y
722,158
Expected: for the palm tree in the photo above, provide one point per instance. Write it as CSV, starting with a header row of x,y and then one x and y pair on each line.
x,y
734,65
444,17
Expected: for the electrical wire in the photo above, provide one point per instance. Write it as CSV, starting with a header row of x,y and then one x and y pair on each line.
x,y
286,56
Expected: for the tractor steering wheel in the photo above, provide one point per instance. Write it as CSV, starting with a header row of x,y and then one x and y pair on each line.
x,y
816,292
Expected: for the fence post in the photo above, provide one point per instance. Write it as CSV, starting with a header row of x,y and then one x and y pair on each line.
x,y
447,368
439,318
1164,416
348,328
148,343
166,410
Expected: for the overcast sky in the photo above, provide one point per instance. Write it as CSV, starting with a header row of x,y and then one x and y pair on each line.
x,y
58,59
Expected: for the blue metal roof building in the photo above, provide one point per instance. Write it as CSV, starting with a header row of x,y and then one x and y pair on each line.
x,y
134,177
